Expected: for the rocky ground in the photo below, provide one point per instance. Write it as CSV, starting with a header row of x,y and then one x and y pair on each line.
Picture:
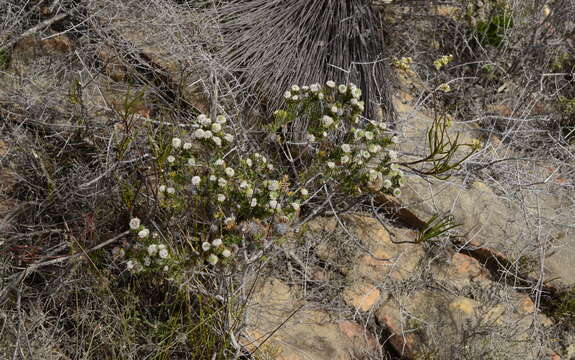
x,y
358,285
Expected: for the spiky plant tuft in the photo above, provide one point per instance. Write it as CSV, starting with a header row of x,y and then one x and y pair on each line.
x,y
274,44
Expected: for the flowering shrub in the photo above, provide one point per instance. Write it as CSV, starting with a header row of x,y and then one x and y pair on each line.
x,y
347,151
229,194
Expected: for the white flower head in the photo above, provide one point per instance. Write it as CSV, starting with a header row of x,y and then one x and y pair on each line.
x,y
295,98
171,159
356,93
249,192
199,134
201,118
334,109
342,89
131,264
330,84
369,135
330,164
295,88
360,105
394,139
206,246
314,88
310,138
374,148
196,180
217,242
213,259
346,148
270,167
382,125
166,268
221,197
327,121
344,159
392,154
295,206
320,96
143,233
221,119
220,162
191,162
304,192
249,162
229,138
163,253
229,172
213,178
216,127
353,101
217,141
365,154
244,184
387,183
208,134
134,223
396,192
176,142
162,188
187,146
171,190
273,204
222,182
273,185
254,202
287,95
226,253
152,249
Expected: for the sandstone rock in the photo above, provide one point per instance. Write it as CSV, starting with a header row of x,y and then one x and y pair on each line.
x,y
361,296
460,271
298,331
386,259
437,323
492,216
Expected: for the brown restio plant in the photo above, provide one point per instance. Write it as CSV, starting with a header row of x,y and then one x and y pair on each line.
x,y
274,44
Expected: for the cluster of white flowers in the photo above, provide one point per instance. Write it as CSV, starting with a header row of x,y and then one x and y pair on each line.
x,y
213,131
214,248
154,256
364,155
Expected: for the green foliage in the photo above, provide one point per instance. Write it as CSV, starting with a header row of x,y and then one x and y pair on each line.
x,y
565,307
442,150
436,226
492,32
490,29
